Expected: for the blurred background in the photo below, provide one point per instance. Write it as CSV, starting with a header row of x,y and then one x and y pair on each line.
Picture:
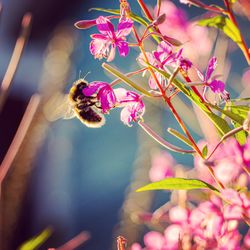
x,y
65,175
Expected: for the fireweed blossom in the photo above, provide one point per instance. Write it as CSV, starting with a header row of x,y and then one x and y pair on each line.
x,y
217,86
239,204
161,58
132,105
105,94
162,166
203,227
104,45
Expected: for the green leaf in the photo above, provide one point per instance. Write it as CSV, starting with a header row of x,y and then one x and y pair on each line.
x,y
36,241
180,136
125,79
177,184
220,123
226,25
204,151
228,113
241,136
133,16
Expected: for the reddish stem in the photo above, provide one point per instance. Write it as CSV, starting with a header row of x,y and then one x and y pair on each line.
x,y
145,10
167,100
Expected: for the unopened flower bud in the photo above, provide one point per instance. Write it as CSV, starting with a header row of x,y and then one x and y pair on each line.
x,y
85,24
160,19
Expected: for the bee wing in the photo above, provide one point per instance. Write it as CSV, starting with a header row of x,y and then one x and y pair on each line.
x,y
58,107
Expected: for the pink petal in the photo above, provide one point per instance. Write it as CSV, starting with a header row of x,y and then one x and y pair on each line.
x,y
154,240
124,28
123,48
212,64
217,86
105,26
152,83
178,214
111,54
99,36
93,87
173,234
99,48
136,246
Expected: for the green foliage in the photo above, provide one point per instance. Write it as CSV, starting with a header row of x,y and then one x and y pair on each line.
x,y
177,184
35,242
204,151
226,25
220,123
125,79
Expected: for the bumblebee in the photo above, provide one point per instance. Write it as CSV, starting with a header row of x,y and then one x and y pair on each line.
x,y
75,104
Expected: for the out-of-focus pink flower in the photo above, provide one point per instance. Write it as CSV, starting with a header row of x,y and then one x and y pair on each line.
x,y
133,106
180,227
239,204
227,170
104,45
173,235
154,240
161,58
247,240
207,220
195,39
136,246
105,94
227,162
217,86
161,166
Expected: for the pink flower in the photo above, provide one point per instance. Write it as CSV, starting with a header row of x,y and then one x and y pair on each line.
x,y
161,166
217,86
195,39
104,45
161,58
239,204
154,240
105,94
133,106
227,162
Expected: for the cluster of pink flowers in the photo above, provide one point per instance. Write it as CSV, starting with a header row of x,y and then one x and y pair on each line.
x,y
211,224
103,46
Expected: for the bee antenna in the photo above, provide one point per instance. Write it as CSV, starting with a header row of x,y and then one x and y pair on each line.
x,y
80,73
86,75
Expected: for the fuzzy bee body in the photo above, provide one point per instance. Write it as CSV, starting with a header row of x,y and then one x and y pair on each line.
x,y
76,104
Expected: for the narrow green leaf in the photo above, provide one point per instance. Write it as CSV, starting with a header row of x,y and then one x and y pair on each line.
x,y
177,184
180,136
125,79
228,113
226,25
36,241
241,136
204,151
